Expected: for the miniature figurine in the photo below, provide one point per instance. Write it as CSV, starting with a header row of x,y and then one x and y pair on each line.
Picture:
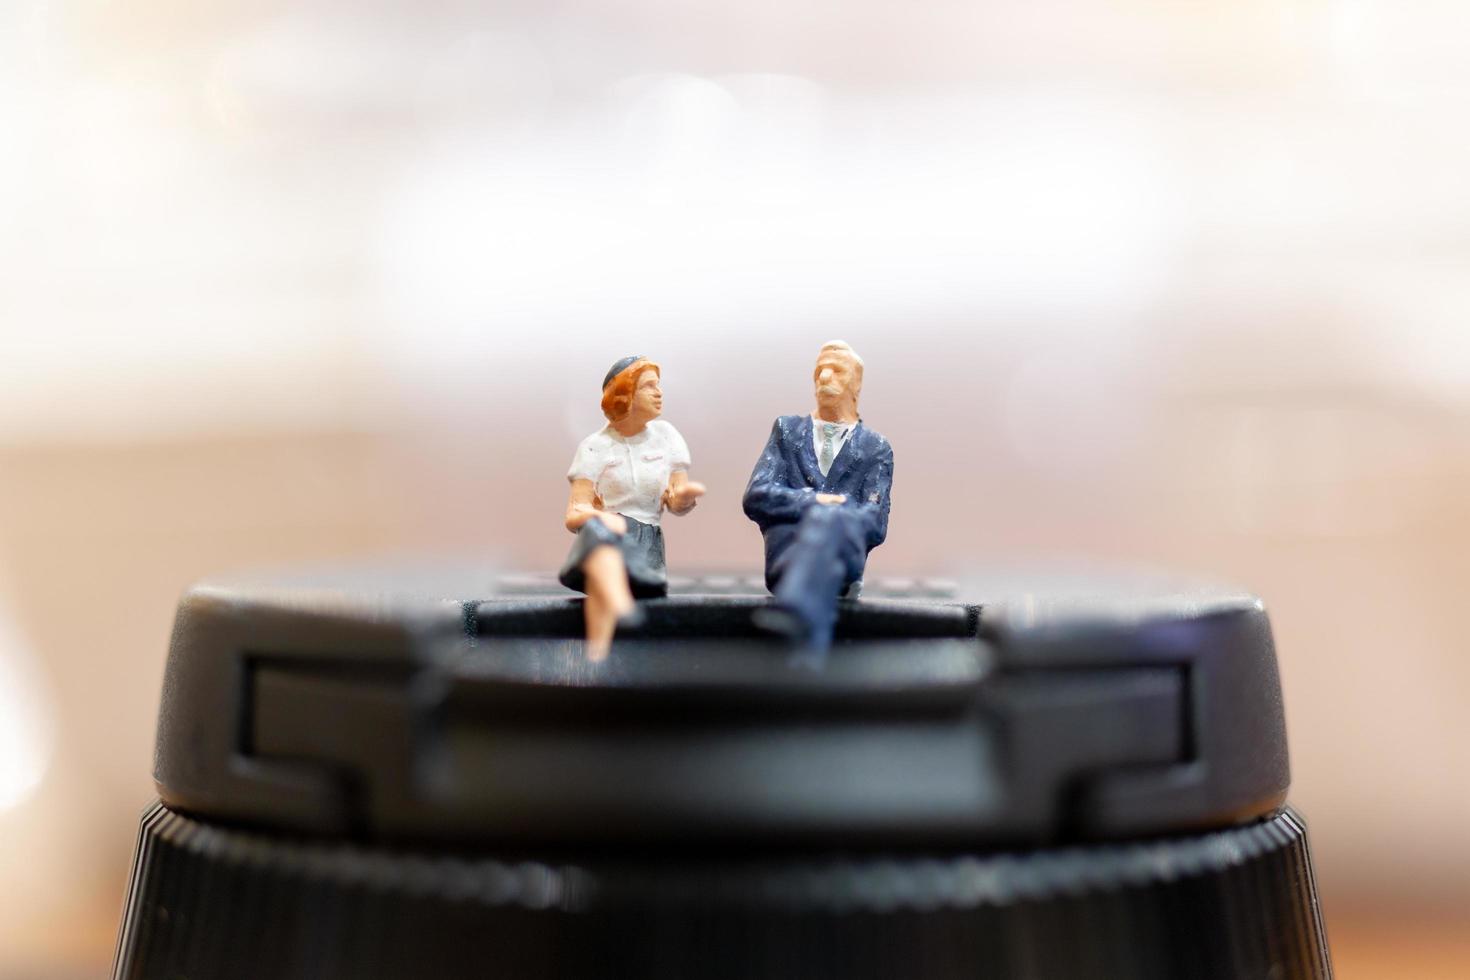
x,y
820,494
622,477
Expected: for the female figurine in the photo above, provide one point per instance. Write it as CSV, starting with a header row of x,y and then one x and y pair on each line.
x,y
623,476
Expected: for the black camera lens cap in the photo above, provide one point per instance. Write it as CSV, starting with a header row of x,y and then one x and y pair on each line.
x,y
455,705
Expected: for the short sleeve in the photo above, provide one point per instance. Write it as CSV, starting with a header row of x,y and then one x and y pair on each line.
x,y
587,462
678,450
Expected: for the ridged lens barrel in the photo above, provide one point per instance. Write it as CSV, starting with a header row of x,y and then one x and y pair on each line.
x,y
382,775
215,902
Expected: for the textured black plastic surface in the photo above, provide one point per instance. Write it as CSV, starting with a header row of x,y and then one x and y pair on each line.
x,y
213,903
457,707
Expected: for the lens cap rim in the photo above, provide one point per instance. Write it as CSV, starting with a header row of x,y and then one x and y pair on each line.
x,y
1007,709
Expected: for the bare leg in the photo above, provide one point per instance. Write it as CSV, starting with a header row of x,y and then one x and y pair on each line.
x,y
608,598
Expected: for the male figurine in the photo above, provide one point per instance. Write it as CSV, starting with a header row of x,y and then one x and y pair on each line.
x,y
820,495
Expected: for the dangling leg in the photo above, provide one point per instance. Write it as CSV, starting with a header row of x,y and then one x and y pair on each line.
x,y
608,598
811,575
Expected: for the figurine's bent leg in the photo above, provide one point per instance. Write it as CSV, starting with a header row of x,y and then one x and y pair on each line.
x,y
596,566
817,566
608,597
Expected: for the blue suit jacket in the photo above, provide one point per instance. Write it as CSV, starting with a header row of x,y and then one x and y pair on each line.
x,y
787,479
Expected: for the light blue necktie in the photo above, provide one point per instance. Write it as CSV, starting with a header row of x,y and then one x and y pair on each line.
x,y
829,452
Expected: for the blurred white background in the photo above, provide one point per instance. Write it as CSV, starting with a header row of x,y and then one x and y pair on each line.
x,y
1175,284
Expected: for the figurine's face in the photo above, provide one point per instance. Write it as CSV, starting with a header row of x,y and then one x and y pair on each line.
x,y
648,398
836,380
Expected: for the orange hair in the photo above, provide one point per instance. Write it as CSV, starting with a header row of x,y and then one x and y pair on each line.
x,y
617,397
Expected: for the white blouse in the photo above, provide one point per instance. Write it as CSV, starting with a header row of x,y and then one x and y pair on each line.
x,y
631,472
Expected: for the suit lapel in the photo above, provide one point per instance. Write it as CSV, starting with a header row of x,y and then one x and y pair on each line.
x,y
806,454
844,455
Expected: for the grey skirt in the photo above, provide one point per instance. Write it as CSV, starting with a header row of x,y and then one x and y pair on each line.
x,y
643,554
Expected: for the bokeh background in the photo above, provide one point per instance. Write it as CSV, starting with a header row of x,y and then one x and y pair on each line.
x,y
1182,285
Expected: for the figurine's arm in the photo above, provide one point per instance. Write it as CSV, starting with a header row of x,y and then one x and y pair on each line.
x,y
874,498
582,507
682,493
769,497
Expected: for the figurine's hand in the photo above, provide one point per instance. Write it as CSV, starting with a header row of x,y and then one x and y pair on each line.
x,y
831,499
616,523
682,500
